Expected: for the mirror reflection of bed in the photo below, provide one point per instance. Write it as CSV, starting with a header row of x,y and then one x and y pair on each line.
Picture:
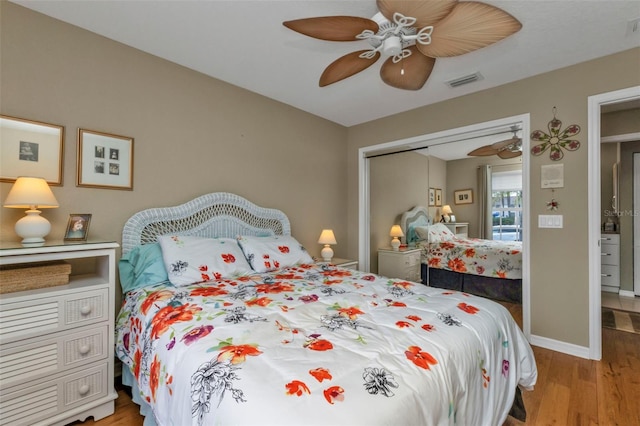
x,y
484,267
399,188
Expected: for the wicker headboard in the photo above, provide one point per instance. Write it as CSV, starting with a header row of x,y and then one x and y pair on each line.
x,y
416,216
219,214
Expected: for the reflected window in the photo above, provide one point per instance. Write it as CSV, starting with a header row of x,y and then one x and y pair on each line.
x,y
507,205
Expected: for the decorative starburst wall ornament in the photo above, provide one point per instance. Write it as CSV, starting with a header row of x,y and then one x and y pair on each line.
x,y
556,139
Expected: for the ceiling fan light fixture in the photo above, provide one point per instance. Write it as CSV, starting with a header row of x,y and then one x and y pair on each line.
x,y
392,46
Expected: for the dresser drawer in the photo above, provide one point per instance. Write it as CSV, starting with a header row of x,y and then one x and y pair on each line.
x,y
43,400
610,254
404,265
610,275
43,357
22,318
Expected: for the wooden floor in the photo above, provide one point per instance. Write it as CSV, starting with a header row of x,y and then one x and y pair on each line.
x,y
569,391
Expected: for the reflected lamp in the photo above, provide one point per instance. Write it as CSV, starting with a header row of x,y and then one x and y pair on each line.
x,y
396,232
31,193
446,211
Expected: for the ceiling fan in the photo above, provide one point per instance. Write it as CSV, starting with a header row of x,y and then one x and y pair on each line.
x,y
509,148
412,34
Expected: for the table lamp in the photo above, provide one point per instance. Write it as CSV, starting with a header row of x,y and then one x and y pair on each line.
x,y
446,211
327,238
31,193
396,232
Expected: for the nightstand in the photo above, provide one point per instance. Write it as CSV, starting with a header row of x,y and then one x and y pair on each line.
x,y
343,263
403,264
460,229
57,342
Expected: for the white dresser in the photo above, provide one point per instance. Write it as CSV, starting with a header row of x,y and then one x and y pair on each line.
x,y
403,264
56,343
610,262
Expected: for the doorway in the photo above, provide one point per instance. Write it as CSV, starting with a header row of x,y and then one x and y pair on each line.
x,y
595,103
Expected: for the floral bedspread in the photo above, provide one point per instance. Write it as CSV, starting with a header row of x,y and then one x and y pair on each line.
x,y
489,258
317,344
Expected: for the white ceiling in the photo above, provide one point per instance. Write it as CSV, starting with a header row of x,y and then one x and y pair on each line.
x,y
243,42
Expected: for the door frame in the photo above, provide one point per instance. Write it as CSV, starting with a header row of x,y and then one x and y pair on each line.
x,y
595,103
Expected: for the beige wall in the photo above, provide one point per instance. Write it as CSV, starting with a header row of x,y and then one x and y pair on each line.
x,y
398,183
559,257
463,174
193,134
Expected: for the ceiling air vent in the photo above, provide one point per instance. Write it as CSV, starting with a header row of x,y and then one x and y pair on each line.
x,y
471,78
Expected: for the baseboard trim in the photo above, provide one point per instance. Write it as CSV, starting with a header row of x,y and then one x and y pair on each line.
x,y
558,346
627,293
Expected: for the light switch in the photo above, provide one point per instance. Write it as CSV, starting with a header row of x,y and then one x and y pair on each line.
x,y
550,221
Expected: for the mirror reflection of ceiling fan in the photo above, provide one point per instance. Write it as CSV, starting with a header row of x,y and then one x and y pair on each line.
x,y
509,148
411,34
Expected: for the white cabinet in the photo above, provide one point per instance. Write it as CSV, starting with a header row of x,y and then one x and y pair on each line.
x,y
460,229
344,263
403,264
56,343
610,262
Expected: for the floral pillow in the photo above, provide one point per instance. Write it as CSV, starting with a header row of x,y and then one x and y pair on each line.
x,y
435,233
191,260
270,253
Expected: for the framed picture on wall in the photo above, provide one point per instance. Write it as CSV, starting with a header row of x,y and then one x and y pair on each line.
x,y
432,197
30,148
463,196
104,160
438,197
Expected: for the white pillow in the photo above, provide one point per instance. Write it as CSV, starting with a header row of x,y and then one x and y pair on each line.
x,y
422,232
274,252
191,260
439,232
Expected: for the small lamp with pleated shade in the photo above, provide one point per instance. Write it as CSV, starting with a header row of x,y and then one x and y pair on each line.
x,y
396,232
446,211
327,238
31,193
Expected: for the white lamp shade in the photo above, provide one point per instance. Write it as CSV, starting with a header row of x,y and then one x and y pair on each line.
x,y
327,237
396,231
30,192
446,209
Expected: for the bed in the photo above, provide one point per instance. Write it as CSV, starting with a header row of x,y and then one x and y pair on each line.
x,y
267,336
487,268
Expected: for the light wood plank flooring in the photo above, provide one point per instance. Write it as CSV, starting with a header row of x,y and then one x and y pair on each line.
x,y
570,390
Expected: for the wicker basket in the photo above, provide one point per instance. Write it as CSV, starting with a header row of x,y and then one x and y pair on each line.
x,y
29,276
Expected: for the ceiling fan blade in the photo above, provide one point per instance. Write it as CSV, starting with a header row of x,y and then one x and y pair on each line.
x,y
411,73
346,66
426,12
332,28
483,151
505,143
505,154
469,26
